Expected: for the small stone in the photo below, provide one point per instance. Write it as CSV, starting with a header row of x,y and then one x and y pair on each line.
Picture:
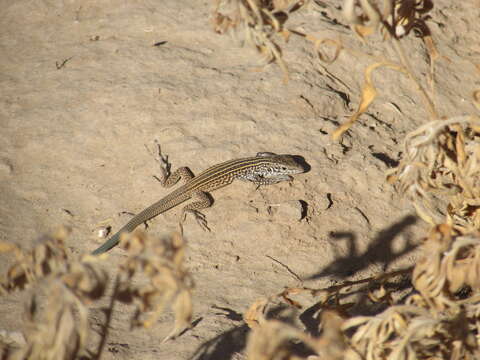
x,y
103,231
325,202
6,167
289,210
12,336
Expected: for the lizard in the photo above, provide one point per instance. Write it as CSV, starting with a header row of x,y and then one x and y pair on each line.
x,y
265,168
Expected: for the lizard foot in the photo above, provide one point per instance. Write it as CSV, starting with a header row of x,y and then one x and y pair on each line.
x,y
199,217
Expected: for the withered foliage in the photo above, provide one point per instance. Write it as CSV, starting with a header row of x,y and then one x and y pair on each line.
x,y
263,22
272,339
436,321
440,172
49,257
439,317
257,22
393,19
56,315
56,322
436,317
169,283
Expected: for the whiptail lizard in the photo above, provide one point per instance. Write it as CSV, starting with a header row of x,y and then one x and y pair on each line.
x,y
263,169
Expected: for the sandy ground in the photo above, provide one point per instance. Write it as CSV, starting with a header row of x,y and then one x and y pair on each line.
x,y
83,90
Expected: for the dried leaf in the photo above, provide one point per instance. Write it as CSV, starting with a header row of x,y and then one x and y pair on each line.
x,y
254,316
369,93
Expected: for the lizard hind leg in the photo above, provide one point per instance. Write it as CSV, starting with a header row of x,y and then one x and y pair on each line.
x,y
202,201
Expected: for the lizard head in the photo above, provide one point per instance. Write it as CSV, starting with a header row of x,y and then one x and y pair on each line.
x,y
275,168
286,164
282,164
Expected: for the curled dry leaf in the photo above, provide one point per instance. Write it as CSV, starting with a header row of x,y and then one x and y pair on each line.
x,y
428,275
462,264
369,92
476,99
255,315
409,332
317,44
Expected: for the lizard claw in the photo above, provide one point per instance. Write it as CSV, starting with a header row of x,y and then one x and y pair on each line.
x,y
199,217
162,160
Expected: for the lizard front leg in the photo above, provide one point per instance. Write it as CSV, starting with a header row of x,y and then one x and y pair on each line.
x,y
166,178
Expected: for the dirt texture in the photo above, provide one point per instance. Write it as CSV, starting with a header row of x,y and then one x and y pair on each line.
x,y
87,86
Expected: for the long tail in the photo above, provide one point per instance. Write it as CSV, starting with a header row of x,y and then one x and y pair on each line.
x,y
145,215
112,242
171,200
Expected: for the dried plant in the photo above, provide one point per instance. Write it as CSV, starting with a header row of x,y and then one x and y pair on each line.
x,y
433,322
56,316
437,318
161,261
262,22
271,339
394,19
56,322
257,22
57,331
49,257
440,172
